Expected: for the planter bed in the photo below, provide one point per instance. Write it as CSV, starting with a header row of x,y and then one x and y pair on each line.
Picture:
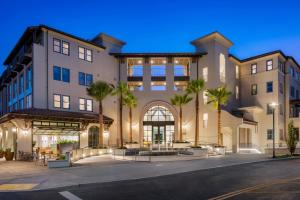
x,y
158,153
58,163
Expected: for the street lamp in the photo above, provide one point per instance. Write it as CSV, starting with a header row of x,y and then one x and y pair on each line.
x,y
273,106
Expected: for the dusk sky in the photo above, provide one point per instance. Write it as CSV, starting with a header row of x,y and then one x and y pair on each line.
x,y
255,26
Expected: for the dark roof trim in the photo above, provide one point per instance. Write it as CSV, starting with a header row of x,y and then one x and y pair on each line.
x,y
264,55
45,114
189,54
30,29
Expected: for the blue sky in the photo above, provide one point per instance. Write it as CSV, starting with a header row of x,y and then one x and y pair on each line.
x,y
254,26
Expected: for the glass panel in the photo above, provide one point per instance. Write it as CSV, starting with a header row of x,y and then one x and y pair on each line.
x,y
89,79
81,53
56,101
81,77
158,113
66,102
56,45
81,104
65,75
89,55
65,48
56,73
89,105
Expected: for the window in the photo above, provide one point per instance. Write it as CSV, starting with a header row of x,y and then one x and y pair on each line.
x,y
65,75
89,79
269,65
158,70
181,67
292,71
65,48
21,104
85,54
56,45
85,104
135,86
270,134
21,83
66,102
89,105
85,79
292,92
28,102
269,109
81,53
237,72
269,86
205,74
237,92
28,77
81,104
180,85
15,88
281,88
205,97
60,46
205,120
56,73
158,86
222,68
254,89
61,74
56,101
281,67
253,68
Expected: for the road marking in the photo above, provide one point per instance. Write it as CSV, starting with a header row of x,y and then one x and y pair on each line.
x,y
17,187
68,195
250,189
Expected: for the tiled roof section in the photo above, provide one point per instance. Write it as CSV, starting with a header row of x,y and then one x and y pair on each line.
x,y
45,114
160,54
30,30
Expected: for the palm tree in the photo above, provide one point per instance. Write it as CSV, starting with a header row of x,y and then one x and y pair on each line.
x,y
218,97
121,91
99,91
130,101
180,100
195,87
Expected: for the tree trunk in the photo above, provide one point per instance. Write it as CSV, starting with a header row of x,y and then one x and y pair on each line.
x,y
180,123
130,124
220,136
197,120
100,125
121,120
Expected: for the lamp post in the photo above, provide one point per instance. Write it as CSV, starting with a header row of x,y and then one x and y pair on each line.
x,y
273,105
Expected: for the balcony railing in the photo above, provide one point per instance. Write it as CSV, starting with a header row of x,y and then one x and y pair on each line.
x,y
135,78
181,78
158,78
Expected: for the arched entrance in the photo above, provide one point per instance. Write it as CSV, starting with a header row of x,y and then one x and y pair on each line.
x,y
159,126
93,139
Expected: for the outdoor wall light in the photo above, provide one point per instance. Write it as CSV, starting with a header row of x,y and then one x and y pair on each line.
x,y
25,132
273,104
139,62
14,129
164,61
176,61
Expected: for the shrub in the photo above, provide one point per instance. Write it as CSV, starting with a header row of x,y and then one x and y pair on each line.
x,y
292,138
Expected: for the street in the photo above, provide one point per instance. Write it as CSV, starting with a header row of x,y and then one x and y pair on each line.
x,y
263,180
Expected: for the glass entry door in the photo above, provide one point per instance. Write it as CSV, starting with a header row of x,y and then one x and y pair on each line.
x,y
158,134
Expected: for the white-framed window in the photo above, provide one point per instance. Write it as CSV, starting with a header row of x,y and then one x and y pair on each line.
x,y
205,120
56,101
85,54
269,65
66,102
56,45
222,68
81,104
205,73
237,72
205,97
253,68
65,48
89,105
237,92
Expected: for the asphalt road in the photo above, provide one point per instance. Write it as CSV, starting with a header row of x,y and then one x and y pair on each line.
x,y
264,180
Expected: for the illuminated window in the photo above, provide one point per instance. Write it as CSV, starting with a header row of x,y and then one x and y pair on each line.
x,y
65,48
237,92
205,74
205,97
56,101
89,105
254,89
253,68
158,86
135,86
269,65
181,67
85,54
81,53
237,72
222,68
158,67
81,104
180,85
56,45
135,67
158,113
66,102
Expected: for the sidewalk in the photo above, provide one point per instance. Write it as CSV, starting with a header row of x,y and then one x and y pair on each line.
x,y
104,169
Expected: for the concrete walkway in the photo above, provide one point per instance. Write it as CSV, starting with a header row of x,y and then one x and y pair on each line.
x,y
105,169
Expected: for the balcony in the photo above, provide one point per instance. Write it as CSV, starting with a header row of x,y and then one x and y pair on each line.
x,y
181,78
158,78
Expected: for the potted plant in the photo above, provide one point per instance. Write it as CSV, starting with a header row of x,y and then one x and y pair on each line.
x,y
9,155
1,153
64,146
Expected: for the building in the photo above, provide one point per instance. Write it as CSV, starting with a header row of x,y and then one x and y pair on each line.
x,y
43,93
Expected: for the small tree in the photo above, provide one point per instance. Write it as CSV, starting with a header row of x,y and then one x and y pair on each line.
x,y
195,87
180,100
99,91
292,138
121,91
130,101
218,97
